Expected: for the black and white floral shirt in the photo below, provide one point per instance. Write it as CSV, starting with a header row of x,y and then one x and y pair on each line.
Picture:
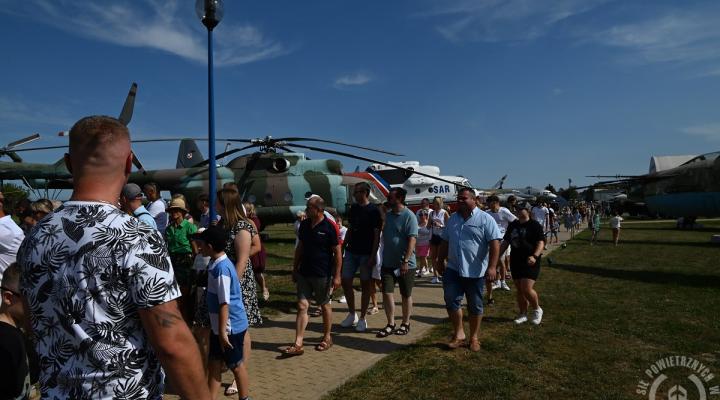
x,y
86,270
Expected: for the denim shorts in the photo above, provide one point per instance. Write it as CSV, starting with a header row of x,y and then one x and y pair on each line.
x,y
232,357
456,287
353,262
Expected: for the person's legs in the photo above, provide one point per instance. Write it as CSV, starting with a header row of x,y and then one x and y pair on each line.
x,y
389,303
347,285
433,255
520,295
327,321
301,321
349,268
616,235
530,294
388,288
242,379
214,377
489,291
406,283
453,295
366,288
260,279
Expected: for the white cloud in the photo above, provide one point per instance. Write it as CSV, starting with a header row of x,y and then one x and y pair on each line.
x,y
169,26
709,131
679,36
503,20
356,79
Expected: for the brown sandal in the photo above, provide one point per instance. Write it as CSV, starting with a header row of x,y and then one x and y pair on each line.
x,y
474,345
324,345
294,350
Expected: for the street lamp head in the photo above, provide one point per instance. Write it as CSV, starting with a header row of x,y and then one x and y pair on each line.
x,y
210,12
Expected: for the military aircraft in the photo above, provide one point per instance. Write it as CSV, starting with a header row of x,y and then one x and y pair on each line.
x,y
689,190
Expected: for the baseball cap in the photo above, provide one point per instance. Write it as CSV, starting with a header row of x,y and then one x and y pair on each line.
x,y
215,236
132,191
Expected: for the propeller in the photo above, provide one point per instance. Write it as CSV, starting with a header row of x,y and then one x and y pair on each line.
x,y
297,139
10,150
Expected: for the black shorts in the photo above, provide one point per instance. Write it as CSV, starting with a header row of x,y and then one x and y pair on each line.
x,y
232,357
435,240
524,271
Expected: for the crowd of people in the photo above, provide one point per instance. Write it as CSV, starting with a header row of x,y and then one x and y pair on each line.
x,y
119,291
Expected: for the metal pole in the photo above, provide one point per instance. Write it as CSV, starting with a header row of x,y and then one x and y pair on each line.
x,y
212,172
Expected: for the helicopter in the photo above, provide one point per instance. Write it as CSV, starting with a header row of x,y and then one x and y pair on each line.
x,y
275,177
689,190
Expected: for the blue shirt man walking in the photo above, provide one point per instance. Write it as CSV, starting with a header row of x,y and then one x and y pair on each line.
x,y
471,244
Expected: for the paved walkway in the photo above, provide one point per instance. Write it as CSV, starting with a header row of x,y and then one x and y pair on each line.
x,y
274,377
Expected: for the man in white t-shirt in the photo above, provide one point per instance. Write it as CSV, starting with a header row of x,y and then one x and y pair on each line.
x,y
157,206
503,217
615,226
10,238
540,214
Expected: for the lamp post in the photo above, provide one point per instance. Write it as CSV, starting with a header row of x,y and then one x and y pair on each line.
x,y
210,13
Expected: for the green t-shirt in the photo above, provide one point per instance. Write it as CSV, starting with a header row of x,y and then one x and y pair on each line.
x,y
178,237
396,233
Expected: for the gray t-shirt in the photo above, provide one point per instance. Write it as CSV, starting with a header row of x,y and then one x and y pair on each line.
x,y
396,234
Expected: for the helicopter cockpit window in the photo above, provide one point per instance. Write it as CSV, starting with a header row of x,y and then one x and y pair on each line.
x,y
417,191
394,176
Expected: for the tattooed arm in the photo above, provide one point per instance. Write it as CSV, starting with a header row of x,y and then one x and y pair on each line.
x,y
176,349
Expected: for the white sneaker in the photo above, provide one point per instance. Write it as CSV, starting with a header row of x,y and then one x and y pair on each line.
x,y
350,320
504,286
342,300
521,319
361,326
496,285
536,316
434,280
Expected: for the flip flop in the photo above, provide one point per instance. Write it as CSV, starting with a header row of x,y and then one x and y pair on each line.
x,y
325,345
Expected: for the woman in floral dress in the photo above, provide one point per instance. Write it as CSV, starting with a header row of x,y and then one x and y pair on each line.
x,y
243,242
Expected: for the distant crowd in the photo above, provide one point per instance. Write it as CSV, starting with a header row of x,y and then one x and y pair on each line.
x,y
114,291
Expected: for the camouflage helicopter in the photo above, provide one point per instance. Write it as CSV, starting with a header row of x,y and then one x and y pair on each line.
x,y
690,190
277,182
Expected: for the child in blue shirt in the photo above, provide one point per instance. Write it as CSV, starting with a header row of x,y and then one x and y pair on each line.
x,y
228,320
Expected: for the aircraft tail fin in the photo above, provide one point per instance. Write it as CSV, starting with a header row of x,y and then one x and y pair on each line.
x,y
499,184
127,110
189,154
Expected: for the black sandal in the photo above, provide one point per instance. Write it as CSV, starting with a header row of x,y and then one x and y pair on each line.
x,y
403,330
386,331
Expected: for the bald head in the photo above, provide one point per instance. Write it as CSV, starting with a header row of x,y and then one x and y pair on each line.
x,y
99,145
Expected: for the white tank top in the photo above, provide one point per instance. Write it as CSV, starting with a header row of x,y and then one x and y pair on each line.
x,y
437,220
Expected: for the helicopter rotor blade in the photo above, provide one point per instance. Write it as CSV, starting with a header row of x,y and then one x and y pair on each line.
x,y
224,154
127,111
22,141
370,160
296,139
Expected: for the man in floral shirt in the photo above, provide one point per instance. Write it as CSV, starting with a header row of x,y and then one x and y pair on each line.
x,y
100,288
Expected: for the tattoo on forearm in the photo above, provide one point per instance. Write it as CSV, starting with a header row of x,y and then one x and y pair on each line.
x,y
167,319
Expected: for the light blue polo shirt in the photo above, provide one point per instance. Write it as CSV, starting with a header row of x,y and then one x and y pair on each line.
x,y
469,242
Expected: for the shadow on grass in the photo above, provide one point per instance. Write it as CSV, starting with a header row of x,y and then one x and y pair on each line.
x,y
605,242
646,276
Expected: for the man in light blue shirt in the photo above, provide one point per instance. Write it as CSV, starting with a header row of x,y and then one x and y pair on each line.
x,y
131,201
471,244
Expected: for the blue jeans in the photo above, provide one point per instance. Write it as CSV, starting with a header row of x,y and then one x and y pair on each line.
x,y
455,287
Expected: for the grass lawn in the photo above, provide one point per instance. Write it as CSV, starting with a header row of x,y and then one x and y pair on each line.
x,y
610,312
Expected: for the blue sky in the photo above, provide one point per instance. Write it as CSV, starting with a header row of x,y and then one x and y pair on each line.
x,y
540,90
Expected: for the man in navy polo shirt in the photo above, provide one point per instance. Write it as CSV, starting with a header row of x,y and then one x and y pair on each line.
x,y
316,272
